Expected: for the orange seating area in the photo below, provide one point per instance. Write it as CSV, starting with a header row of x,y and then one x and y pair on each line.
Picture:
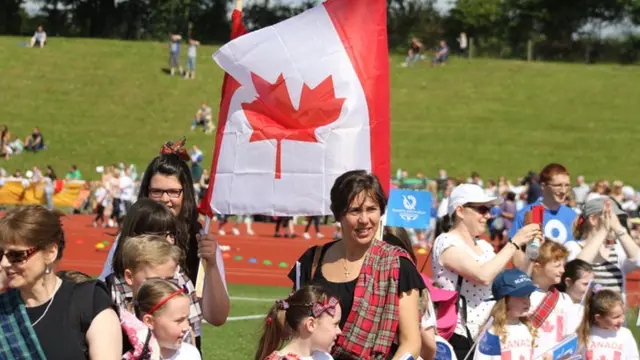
x,y
70,194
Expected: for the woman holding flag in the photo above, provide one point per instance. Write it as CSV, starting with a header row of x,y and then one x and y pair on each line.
x,y
167,180
348,268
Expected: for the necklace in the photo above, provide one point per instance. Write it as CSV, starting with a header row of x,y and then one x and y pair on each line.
x,y
346,270
48,306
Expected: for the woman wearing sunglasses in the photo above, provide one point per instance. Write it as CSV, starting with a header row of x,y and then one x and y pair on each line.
x,y
38,304
464,263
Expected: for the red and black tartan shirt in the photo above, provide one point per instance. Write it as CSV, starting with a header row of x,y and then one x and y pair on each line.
x,y
372,324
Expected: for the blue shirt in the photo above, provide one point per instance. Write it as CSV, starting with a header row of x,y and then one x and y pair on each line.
x,y
558,225
175,47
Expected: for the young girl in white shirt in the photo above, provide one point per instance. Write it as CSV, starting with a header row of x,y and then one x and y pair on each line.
x,y
510,335
164,308
309,318
601,333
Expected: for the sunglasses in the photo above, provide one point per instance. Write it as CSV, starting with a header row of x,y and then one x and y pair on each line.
x,y
18,256
480,209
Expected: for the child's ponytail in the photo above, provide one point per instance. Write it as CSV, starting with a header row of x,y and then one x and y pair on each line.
x,y
273,334
598,301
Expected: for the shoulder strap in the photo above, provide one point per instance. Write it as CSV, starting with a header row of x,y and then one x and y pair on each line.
x,y
317,252
545,308
462,302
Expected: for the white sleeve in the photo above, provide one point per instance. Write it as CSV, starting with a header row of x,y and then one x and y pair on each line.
x,y
624,263
631,346
107,268
442,243
574,249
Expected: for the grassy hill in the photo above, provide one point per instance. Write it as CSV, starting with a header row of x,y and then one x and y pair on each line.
x,y
104,101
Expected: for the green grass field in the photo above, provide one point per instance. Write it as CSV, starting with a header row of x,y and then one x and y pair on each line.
x,y
104,101
238,339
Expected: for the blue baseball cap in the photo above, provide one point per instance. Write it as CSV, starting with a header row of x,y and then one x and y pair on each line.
x,y
512,282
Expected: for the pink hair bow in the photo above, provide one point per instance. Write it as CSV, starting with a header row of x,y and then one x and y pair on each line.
x,y
328,306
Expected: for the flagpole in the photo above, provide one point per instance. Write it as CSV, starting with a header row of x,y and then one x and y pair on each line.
x,y
203,263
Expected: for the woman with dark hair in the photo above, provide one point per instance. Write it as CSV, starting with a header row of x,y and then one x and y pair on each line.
x,y
380,325
43,316
167,180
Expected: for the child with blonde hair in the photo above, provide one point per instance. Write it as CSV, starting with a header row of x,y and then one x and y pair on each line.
x,y
309,318
601,333
510,334
164,308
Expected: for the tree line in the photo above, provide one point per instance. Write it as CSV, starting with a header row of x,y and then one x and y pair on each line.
x,y
565,30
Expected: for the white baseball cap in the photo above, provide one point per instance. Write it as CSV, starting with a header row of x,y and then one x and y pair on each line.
x,y
469,194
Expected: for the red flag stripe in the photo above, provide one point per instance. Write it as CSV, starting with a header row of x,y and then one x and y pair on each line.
x,y
229,86
355,20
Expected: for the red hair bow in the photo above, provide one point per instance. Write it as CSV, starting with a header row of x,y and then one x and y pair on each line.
x,y
178,149
328,306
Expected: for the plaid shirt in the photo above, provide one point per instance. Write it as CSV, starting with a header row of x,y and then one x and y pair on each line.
x,y
545,308
373,322
122,295
18,340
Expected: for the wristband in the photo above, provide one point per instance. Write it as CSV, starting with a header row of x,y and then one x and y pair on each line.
x,y
621,233
514,244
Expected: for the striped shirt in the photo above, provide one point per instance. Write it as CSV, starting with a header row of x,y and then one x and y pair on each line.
x,y
611,273
608,274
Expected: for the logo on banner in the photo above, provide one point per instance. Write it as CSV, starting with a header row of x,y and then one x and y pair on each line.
x,y
409,203
409,209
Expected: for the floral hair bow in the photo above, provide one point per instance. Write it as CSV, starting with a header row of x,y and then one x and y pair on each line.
x,y
176,149
597,288
328,306
282,304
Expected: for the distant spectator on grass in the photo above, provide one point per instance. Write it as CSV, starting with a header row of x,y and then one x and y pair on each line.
x,y
73,173
600,188
192,52
196,167
415,52
35,141
49,185
39,38
174,54
203,118
442,54
463,43
580,191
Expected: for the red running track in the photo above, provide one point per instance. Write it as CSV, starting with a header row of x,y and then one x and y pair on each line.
x,y
81,253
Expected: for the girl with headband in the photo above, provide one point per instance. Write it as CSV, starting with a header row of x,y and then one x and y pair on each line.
x,y
164,308
309,318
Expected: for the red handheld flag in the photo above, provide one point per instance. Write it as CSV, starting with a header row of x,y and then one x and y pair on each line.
x,y
537,214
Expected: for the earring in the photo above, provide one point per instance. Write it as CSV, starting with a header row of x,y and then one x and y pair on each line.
x,y
47,269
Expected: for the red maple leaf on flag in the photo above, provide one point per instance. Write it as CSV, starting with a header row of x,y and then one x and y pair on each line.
x,y
273,117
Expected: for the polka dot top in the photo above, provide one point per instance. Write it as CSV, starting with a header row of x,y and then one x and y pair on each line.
x,y
477,309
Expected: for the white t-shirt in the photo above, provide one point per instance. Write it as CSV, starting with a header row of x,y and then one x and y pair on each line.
x,y
557,325
186,352
611,345
126,187
477,308
518,344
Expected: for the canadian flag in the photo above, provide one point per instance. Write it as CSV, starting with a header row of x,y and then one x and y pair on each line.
x,y
306,100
